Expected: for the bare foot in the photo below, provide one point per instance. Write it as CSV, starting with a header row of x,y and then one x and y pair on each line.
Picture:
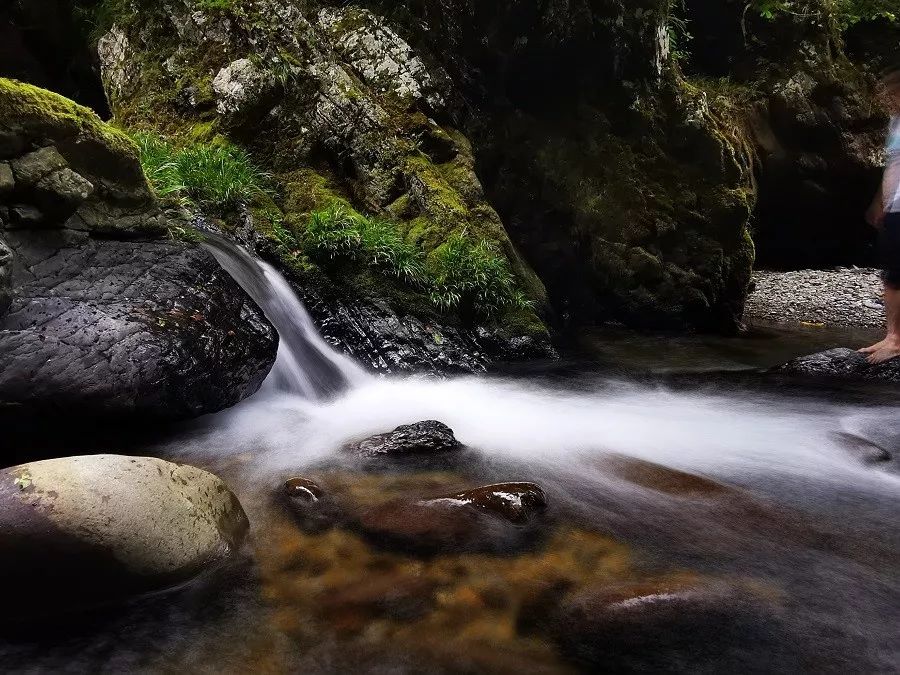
x,y
874,348
890,349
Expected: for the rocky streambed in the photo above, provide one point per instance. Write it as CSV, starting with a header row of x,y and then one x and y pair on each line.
x,y
846,296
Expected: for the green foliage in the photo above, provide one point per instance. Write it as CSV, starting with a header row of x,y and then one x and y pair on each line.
x,y
835,14
218,177
460,274
463,272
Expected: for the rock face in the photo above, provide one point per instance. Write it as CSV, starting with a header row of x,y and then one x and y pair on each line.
x,y
842,364
105,317
432,129
80,532
421,438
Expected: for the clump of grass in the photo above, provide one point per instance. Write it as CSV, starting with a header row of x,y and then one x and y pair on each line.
x,y
338,232
468,273
460,275
216,177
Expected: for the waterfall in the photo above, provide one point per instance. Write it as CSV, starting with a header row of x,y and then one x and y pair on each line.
x,y
306,365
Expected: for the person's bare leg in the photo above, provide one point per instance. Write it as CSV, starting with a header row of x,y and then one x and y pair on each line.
x,y
887,307
889,348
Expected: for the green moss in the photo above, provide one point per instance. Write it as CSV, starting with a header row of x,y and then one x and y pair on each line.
x,y
39,112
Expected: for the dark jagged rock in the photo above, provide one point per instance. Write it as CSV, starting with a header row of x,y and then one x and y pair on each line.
x,y
421,438
517,502
82,532
842,364
393,341
493,518
102,326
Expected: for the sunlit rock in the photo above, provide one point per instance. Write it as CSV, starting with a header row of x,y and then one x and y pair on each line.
x,y
80,532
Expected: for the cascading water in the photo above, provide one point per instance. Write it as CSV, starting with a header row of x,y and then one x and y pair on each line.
x,y
306,365
790,513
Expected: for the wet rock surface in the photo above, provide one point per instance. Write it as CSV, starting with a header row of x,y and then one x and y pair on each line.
x,y
422,438
516,502
647,625
493,518
81,532
837,297
102,326
842,364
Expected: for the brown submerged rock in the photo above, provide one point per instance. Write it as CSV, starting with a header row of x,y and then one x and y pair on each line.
x,y
493,518
654,624
517,502
312,507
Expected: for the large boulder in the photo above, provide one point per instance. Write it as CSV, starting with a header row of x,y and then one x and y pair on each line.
x,y
155,328
81,532
106,315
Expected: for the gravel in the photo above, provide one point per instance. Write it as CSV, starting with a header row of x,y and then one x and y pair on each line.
x,y
838,297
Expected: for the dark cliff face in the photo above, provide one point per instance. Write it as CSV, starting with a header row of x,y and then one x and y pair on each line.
x,y
627,188
816,127
634,184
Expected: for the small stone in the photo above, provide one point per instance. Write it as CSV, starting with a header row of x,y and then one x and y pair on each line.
x,y
421,438
302,490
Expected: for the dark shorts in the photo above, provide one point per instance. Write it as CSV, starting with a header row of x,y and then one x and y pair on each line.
x,y
889,245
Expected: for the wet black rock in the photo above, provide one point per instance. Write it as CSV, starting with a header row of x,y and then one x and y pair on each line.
x,y
842,364
490,519
422,438
103,326
516,502
392,341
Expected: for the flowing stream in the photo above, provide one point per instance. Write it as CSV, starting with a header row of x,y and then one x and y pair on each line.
x,y
767,490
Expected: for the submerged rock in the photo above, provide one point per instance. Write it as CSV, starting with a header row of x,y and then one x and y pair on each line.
x,y
655,625
81,532
842,364
422,438
493,518
517,502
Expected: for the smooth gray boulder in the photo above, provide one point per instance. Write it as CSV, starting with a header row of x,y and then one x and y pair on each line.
x,y
82,532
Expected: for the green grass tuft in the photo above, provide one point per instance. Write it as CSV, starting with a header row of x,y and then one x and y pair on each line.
x,y
219,177
462,274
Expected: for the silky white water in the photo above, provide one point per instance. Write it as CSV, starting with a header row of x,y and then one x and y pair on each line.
x,y
316,399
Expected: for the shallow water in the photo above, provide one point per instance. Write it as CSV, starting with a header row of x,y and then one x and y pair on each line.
x,y
764,492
